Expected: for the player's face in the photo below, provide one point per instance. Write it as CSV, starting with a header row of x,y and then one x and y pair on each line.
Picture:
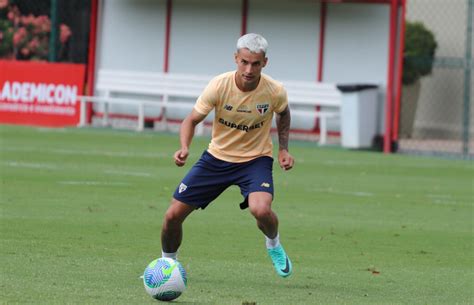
x,y
249,68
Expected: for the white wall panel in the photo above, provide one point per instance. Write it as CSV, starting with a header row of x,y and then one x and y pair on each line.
x,y
356,48
131,35
292,31
203,36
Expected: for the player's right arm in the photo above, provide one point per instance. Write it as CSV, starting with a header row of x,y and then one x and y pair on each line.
x,y
186,134
204,104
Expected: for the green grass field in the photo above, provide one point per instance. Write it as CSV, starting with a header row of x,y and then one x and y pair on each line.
x,y
81,213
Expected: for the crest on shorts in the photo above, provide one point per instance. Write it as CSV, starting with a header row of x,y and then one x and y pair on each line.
x,y
262,108
182,188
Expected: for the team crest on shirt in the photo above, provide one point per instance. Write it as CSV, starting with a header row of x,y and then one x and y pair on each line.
x,y
182,187
262,108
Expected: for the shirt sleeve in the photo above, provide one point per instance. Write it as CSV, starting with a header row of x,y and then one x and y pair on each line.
x,y
281,100
208,98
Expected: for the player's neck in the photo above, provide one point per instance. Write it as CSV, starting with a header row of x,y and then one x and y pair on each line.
x,y
246,87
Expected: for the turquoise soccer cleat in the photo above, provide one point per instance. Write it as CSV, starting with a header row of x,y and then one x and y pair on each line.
x,y
281,261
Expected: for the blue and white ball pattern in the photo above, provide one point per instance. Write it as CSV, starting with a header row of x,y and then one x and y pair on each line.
x,y
164,279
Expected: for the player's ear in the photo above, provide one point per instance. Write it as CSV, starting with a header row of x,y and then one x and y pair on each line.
x,y
265,62
236,55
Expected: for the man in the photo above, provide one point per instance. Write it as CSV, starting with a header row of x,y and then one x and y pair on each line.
x,y
240,152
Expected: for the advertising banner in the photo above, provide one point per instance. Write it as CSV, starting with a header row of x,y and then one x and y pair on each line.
x,y
40,93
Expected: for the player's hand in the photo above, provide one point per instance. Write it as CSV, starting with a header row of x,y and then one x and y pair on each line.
x,y
180,157
285,159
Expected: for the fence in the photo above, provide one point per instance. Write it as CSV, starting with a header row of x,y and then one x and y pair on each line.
x,y
48,30
437,116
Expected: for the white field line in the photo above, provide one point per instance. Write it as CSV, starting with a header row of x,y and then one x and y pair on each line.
x,y
89,152
376,162
347,162
116,133
445,199
337,162
31,165
94,183
446,202
55,167
50,166
127,173
358,194
438,196
361,194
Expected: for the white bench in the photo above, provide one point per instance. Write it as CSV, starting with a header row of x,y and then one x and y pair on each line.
x,y
143,89
320,101
164,92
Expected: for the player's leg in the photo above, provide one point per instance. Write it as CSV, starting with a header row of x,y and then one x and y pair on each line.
x,y
256,185
172,229
205,181
260,204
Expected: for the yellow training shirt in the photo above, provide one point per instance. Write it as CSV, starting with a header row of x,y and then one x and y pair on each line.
x,y
242,123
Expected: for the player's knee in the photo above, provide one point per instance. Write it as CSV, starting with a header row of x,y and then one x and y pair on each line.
x,y
176,213
261,211
172,217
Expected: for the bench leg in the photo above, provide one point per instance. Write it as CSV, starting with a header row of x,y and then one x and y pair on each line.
x,y
83,113
323,131
141,117
164,121
105,118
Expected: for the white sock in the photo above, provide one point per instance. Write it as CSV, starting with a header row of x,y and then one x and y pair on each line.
x,y
173,255
272,243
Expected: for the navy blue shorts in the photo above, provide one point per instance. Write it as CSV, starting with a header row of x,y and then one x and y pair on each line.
x,y
209,177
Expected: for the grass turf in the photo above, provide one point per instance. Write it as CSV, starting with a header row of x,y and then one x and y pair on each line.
x,y
81,212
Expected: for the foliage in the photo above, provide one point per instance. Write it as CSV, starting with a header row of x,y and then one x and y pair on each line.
x,y
420,47
26,37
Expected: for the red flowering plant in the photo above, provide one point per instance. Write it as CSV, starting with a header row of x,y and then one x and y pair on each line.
x,y
26,37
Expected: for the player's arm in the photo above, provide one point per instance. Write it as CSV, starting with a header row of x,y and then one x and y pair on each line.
x,y
283,120
186,134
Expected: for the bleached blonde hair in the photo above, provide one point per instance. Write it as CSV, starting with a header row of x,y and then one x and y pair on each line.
x,y
255,43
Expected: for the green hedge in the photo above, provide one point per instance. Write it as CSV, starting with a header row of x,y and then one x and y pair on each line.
x,y
418,55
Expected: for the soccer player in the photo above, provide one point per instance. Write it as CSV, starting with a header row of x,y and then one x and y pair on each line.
x,y
240,151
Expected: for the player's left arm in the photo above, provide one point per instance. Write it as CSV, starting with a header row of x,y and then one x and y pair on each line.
x,y
283,120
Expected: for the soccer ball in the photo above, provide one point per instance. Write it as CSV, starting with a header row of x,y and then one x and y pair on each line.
x,y
164,279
